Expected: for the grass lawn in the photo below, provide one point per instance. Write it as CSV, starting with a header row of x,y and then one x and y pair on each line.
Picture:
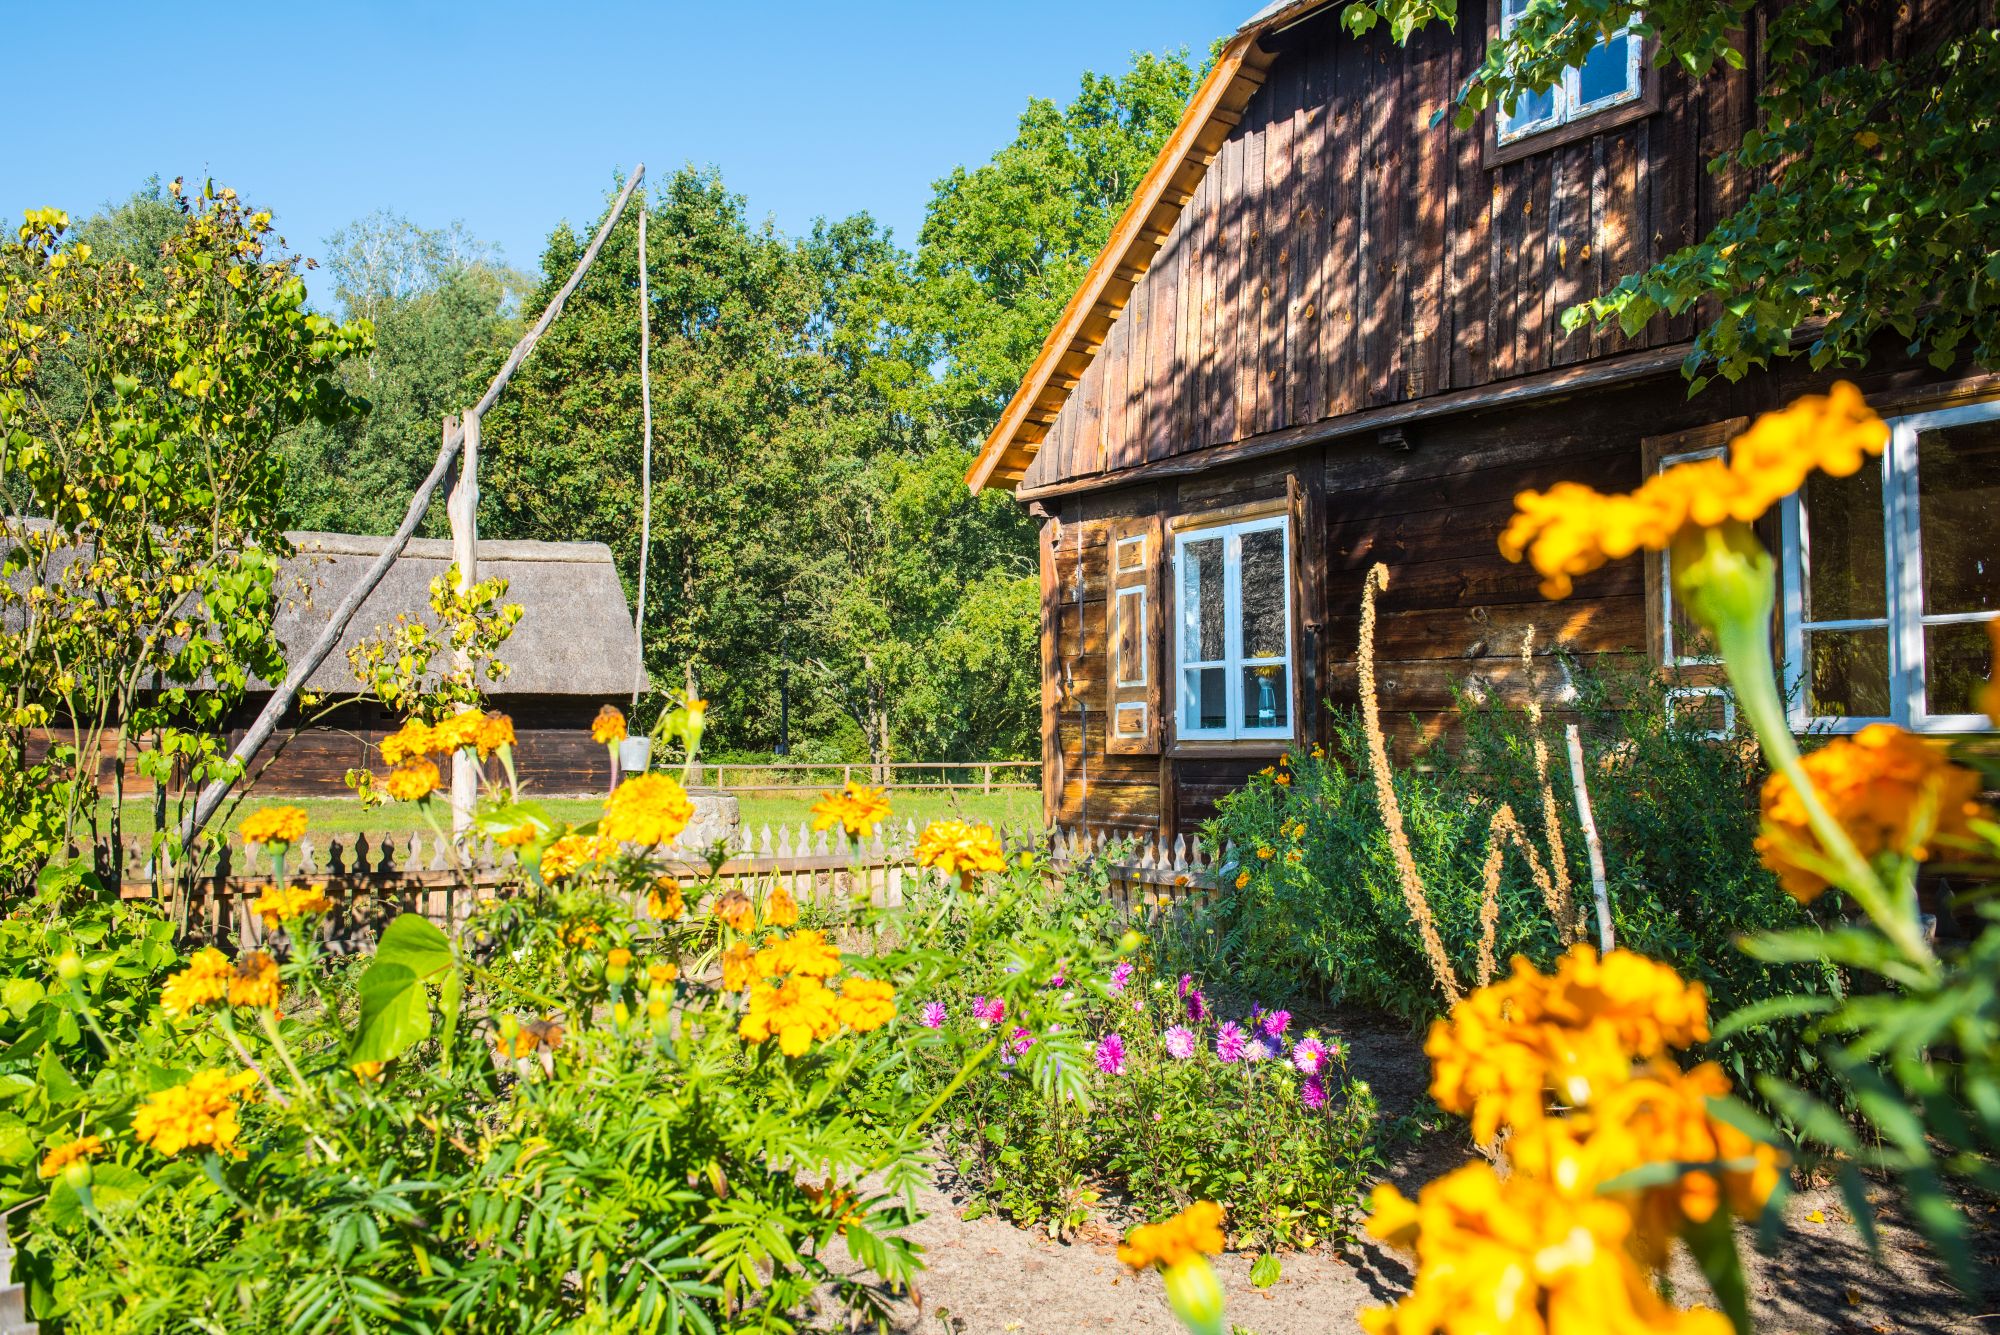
x,y
345,816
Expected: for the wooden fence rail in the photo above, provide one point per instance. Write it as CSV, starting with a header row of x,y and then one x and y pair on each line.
x,y
371,878
986,776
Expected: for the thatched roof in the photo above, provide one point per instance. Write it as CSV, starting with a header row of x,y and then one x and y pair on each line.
x,y
575,635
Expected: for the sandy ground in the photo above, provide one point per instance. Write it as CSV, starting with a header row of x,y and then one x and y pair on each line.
x,y
987,1277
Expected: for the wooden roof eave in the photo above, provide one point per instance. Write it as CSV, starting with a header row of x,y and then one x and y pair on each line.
x,y
1166,189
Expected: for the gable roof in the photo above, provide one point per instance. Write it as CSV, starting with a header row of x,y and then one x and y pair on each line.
x,y
1166,189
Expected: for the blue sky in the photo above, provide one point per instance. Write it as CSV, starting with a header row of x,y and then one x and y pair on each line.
x,y
514,116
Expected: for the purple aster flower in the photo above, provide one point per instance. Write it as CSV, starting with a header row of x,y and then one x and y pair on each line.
x,y
1259,1049
1312,1093
1186,985
1022,1040
1309,1056
1180,1042
1111,1055
1276,1022
1230,1043
1197,1006
1061,978
988,1011
1120,976
933,1016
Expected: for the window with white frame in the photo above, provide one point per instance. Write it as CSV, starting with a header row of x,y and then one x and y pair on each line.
x,y
1685,643
1612,75
1233,647
1890,578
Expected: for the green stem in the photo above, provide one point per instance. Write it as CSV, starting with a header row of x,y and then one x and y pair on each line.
x,y
957,1082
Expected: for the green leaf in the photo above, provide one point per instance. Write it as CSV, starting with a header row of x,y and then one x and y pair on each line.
x,y
20,996
1265,1273
395,1013
56,1084
414,942
1713,1244
110,1185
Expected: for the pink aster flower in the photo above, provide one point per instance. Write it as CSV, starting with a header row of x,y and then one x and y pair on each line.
x,y
1111,1055
1197,1006
1259,1049
988,1011
933,1016
1230,1042
1120,976
1180,1042
1312,1093
1186,985
1309,1055
1276,1022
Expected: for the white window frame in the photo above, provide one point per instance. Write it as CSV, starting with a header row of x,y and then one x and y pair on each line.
x,y
1567,105
1232,662
1904,617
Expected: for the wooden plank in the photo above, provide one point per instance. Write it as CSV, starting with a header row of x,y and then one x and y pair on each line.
x,y
1621,216
1532,270
1204,403
1231,323
1469,279
1509,223
1163,367
1051,655
1430,685
1423,264
1471,582
1572,270
1579,625
1674,167
1340,300
1386,247
1111,372
1304,379
1277,244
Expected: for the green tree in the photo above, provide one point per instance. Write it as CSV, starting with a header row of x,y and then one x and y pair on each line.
x,y
1877,205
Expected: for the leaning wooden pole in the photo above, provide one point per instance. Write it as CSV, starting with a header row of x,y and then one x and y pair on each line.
x,y
266,723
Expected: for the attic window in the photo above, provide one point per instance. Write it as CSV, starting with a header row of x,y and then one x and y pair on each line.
x,y
1613,85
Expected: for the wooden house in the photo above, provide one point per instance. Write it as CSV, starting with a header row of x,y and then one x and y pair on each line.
x,y
1327,333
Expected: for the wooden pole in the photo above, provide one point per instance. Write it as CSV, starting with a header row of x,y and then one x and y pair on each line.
x,y
274,709
645,456
463,509
1607,939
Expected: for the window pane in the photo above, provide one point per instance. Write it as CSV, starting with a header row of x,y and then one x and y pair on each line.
x,y
1529,109
1511,10
1956,660
1958,509
1264,594
1847,673
1201,601
1267,693
1204,698
1844,539
1606,73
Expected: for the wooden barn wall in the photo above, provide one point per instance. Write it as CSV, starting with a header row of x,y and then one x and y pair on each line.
x,y
1455,611
1342,253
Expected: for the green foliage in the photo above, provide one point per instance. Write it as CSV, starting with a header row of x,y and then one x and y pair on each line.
x,y
1869,185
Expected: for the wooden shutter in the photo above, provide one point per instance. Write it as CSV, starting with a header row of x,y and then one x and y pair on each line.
x,y
1135,638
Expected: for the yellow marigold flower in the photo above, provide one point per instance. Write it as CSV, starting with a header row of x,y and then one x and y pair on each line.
x,y
1574,1033
780,909
1242,879
566,855
1520,1255
254,983
458,732
200,1113
735,910
583,934
647,809
203,982
1571,529
412,781
957,848
1264,853
517,836
1890,790
368,1073
495,731
1281,778
412,741
60,1157
659,975
736,967
608,728
282,903
800,953
795,1013
856,808
1195,1231
664,901
274,825
865,1004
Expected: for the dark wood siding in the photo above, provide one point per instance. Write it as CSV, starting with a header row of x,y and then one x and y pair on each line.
x,y
1343,253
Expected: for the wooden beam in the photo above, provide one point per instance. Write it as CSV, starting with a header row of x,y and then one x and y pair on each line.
x,y
274,709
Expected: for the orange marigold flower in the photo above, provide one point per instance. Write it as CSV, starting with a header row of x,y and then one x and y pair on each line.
x,y
608,728
517,836
736,967
659,975
563,857
1575,1034
200,1113
1890,790
801,952
204,982
664,901
458,732
368,1073
1264,853
957,848
412,781
1571,529
1195,1231
865,1004
282,903
797,1012
254,983
647,809
60,1157
735,910
780,909
495,731
412,741
856,808
1242,879
283,826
